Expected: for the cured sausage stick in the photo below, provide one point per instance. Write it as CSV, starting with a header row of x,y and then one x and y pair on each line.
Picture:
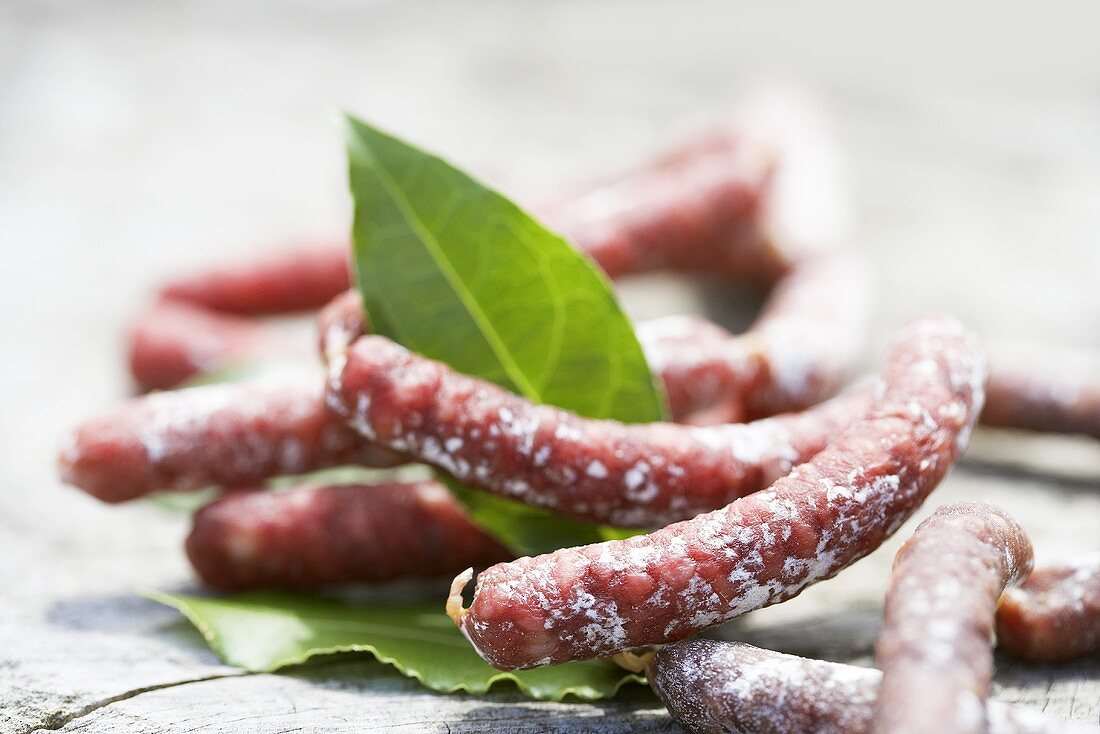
x,y
231,435
302,278
173,341
714,687
798,352
643,475
310,537
601,599
936,650
700,208
1044,395
1054,616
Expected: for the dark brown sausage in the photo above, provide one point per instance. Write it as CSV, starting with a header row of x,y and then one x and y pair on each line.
x,y
936,647
601,599
307,537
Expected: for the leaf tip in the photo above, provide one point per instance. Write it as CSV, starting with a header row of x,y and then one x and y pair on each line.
x,y
349,123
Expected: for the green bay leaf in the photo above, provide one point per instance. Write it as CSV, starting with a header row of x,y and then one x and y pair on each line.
x,y
452,269
265,631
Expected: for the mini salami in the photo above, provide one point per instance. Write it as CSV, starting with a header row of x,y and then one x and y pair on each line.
x,y
1054,616
935,650
172,342
601,599
799,352
597,470
732,688
1056,395
295,279
697,209
232,435
307,537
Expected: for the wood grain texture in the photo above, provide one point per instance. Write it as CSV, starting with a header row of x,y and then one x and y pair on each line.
x,y
139,139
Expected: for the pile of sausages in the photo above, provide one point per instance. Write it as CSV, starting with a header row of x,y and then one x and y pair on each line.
x,y
934,655
770,479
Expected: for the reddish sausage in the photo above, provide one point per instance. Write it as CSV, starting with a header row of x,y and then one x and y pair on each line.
x,y
595,470
306,537
232,435
1055,615
601,599
936,650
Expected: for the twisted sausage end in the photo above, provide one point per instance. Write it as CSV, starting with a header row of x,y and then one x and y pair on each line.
x,y
454,607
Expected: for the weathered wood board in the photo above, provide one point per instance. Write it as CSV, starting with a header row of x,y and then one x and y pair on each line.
x,y
137,139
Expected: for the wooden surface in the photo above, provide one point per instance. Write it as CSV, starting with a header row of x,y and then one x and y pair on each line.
x,y
138,139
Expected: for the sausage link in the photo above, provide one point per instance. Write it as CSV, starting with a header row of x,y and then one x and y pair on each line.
x,y
581,603
935,650
172,342
595,470
797,353
714,687
698,209
232,435
309,537
1044,395
299,279
1054,616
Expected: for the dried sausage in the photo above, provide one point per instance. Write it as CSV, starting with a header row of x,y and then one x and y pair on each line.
x,y
1044,394
309,537
797,353
172,342
1055,615
231,435
295,279
595,470
699,208
601,599
935,650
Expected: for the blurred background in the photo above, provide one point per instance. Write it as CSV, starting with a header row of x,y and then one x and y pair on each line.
x,y
139,140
